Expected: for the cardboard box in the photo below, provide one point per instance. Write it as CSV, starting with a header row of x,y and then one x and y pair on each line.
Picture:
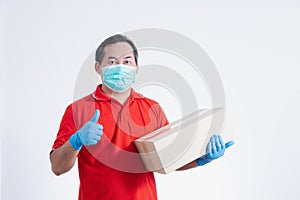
x,y
182,141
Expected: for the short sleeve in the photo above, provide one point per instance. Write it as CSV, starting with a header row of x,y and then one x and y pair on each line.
x,y
66,129
162,119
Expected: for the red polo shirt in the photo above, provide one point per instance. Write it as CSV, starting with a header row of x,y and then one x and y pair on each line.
x,y
112,169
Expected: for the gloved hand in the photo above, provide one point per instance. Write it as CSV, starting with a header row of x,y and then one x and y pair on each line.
x,y
215,149
89,134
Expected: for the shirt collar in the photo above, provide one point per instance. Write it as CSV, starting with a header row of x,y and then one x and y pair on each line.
x,y
99,95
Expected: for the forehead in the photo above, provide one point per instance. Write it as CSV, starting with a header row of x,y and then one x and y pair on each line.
x,y
118,50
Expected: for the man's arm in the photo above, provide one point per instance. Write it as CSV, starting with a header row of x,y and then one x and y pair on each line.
x,y
190,165
63,158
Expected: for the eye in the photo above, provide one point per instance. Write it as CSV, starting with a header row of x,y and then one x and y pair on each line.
x,y
112,62
127,62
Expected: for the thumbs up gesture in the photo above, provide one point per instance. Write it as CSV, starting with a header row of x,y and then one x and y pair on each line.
x,y
89,134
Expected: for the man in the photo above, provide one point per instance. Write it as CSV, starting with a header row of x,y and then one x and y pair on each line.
x,y
100,127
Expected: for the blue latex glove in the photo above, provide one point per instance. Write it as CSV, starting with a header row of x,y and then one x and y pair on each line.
x,y
89,134
215,149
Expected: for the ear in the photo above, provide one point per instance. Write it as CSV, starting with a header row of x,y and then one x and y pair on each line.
x,y
137,69
98,68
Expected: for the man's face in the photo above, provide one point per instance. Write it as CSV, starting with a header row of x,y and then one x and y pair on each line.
x,y
117,53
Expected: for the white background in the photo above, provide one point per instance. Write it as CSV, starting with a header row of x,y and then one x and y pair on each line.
x,y
254,45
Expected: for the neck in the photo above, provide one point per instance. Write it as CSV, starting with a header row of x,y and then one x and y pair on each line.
x,y
121,97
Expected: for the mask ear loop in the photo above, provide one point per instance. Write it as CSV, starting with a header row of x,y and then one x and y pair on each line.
x,y
98,68
100,72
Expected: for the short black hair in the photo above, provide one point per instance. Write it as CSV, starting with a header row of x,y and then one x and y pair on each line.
x,y
112,40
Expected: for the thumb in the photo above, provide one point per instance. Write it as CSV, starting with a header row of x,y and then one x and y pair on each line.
x,y
96,116
228,144
208,148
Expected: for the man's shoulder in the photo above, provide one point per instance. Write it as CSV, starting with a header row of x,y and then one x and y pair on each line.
x,y
146,99
88,99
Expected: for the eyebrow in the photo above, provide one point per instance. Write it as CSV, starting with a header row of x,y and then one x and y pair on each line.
x,y
111,57
128,57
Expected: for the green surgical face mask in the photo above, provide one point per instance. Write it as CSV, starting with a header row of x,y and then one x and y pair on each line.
x,y
119,77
